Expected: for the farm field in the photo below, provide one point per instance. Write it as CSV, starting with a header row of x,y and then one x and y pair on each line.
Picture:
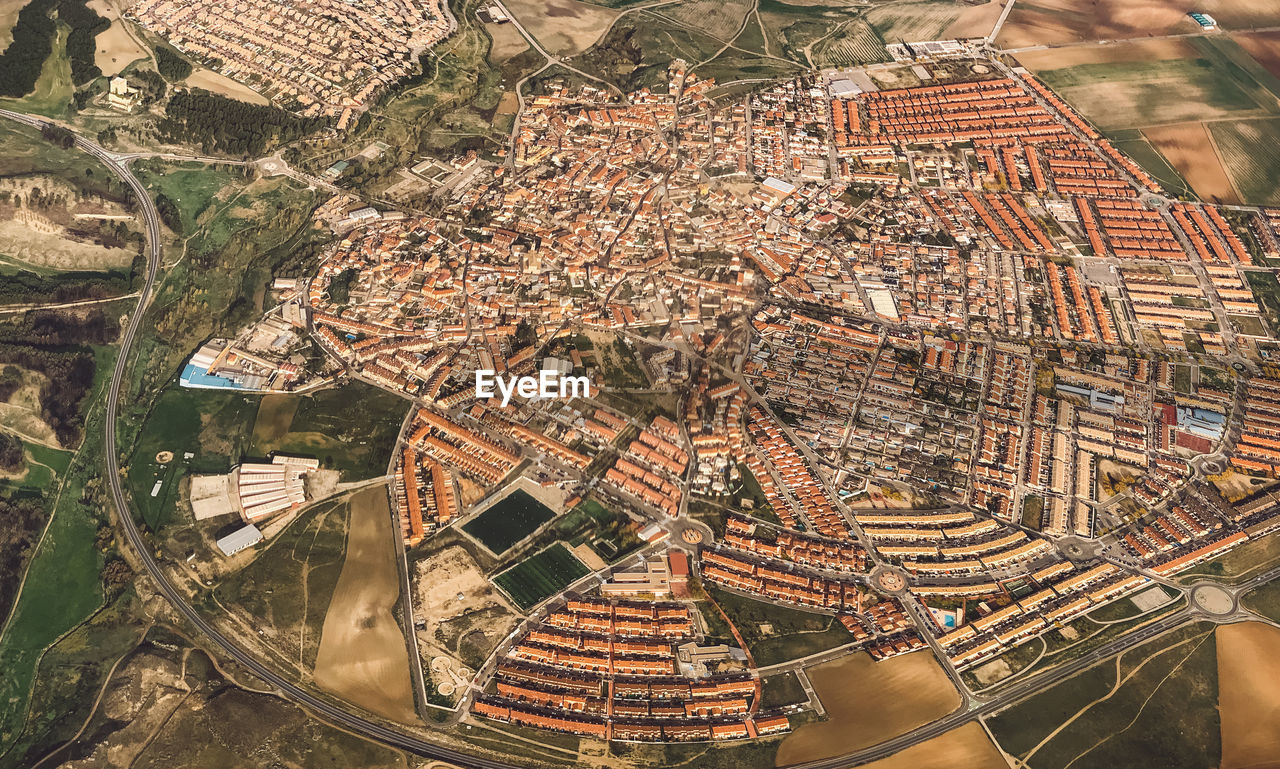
x,y
975,20
1163,711
1127,85
1189,149
8,17
541,576
1055,22
913,22
209,425
1262,47
1248,667
1252,156
363,656
116,48
508,521
507,42
968,747
910,690
216,82
720,19
854,43
563,27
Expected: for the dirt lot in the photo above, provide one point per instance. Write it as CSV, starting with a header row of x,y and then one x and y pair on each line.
x,y
968,747
1188,148
1248,668
221,84
116,47
8,17
869,702
1050,22
362,654
459,628
563,27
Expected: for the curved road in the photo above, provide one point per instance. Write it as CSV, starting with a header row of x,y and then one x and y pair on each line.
x,y
405,741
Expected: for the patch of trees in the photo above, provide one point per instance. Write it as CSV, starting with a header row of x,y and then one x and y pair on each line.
x,y
10,381
55,134
171,65
151,87
340,286
219,124
21,62
10,453
85,25
20,524
60,327
69,374
28,287
169,213
33,35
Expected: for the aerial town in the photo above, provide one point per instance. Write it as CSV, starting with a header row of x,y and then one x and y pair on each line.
x,y
320,59
967,351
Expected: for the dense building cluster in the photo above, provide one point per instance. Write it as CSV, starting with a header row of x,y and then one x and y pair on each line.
x,y
918,339
320,57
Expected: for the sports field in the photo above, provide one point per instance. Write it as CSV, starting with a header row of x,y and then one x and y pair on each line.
x,y
541,576
508,521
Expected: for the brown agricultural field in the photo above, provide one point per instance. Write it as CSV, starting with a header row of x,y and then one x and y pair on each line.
x,y
1249,701
868,702
363,657
1189,148
8,17
1264,47
1136,52
116,47
507,42
1055,22
975,20
968,747
563,27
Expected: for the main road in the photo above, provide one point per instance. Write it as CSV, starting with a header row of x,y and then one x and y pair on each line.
x,y
340,716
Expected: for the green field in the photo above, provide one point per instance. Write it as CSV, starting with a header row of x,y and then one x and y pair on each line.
x,y
286,589
208,424
1218,81
781,689
773,633
611,534
541,576
351,428
193,187
1267,291
508,521
1164,714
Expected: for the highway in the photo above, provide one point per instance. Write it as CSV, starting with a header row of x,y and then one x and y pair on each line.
x,y
397,738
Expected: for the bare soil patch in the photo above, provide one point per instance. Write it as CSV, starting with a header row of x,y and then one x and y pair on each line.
x,y
1264,47
563,27
450,590
1248,699
1188,148
221,84
363,656
868,702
